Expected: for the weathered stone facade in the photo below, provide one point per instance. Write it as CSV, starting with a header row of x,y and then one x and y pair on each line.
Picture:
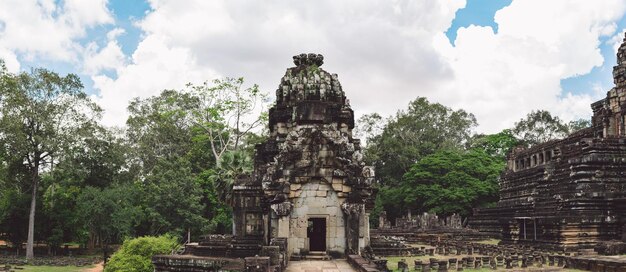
x,y
310,190
568,193
311,168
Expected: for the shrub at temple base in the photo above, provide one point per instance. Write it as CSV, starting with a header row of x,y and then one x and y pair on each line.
x,y
135,254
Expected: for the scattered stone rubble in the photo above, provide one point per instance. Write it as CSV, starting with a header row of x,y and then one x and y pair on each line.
x,y
459,255
425,221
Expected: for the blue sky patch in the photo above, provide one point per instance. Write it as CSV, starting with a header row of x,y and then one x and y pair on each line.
x,y
476,12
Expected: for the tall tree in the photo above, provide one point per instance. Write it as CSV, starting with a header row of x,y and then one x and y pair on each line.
x,y
228,112
420,130
40,113
496,145
369,126
539,126
579,124
160,128
452,181
110,213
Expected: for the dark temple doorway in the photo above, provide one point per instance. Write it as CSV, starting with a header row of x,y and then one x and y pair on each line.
x,y
316,232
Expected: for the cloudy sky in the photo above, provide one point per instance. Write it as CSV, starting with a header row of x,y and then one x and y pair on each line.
x,y
498,59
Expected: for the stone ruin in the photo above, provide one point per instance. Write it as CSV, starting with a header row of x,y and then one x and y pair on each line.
x,y
310,190
422,222
568,193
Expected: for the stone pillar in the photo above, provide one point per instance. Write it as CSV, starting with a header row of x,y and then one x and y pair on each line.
x,y
363,231
353,213
283,227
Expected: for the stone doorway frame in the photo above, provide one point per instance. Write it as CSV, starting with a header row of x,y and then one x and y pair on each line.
x,y
326,218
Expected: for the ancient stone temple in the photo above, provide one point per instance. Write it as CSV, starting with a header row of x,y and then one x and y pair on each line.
x,y
310,168
310,190
568,193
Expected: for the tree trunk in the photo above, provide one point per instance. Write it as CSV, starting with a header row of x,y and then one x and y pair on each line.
x,y
31,218
105,251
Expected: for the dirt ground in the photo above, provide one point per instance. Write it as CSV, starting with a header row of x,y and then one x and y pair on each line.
x,y
97,268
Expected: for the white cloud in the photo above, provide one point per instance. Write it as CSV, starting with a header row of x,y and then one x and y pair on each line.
x,y
110,57
10,60
43,30
386,52
382,50
154,67
617,40
501,77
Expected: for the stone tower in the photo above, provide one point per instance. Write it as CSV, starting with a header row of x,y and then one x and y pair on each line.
x,y
311,169
608,113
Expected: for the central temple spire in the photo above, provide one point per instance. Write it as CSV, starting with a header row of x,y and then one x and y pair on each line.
x,y
308,60
309,94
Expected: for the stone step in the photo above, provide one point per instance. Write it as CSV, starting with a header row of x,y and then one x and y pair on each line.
x,y
317,255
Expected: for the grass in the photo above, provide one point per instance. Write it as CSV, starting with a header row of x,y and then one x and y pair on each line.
x,y
489,242
43,268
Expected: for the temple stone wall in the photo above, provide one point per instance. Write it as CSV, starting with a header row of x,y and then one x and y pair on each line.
x,y
568,193
317,200
311,166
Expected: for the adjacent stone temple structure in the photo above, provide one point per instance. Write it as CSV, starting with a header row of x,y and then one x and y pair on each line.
x,y
568,193
310,190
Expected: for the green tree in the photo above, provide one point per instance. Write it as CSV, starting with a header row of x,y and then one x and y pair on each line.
x,y
216,210
40,113
96,159
496,145
369,126
422,129
172,199
451,181
539,126
110,213
197,139
14,207
577,125
135,255
231,166
228,112
160,128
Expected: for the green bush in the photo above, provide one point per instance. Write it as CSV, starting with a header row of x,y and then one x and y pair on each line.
x,y
135,255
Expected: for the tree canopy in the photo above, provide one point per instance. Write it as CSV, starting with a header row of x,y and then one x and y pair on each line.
x,y
420,130
41,115
65,178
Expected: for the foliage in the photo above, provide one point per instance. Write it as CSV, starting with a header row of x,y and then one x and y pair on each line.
x,y
231,166
226,112
171,199
422,129
496,145
14,207
579,124
160,128
369,126
110,212
135,255
41,114
451,181
538,127
218,212
170,170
